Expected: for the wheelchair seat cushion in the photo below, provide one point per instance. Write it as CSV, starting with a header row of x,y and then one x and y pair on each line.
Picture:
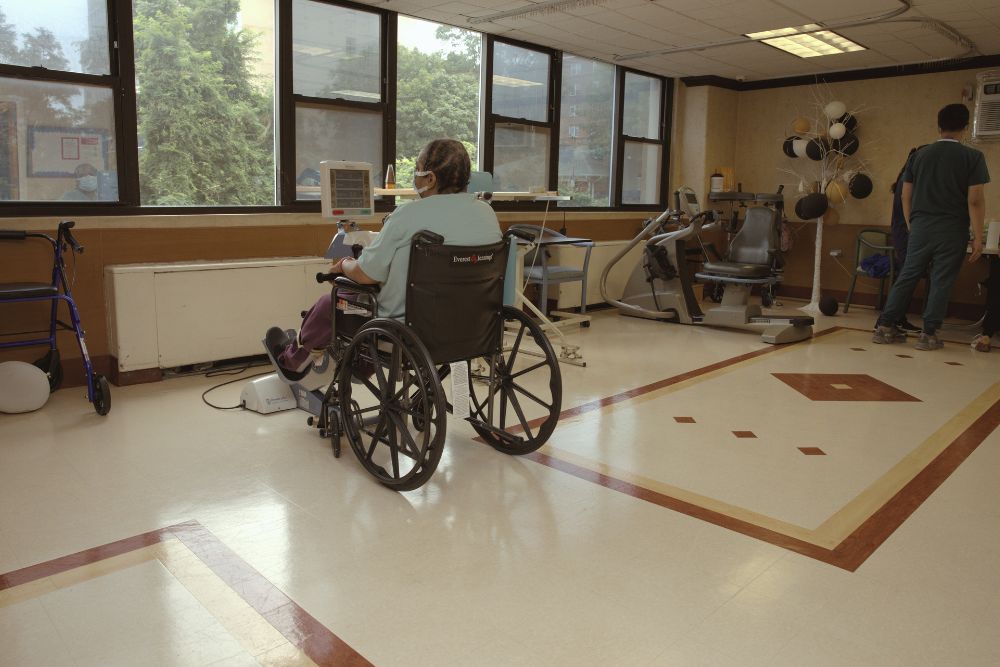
x,y
737,269
10,291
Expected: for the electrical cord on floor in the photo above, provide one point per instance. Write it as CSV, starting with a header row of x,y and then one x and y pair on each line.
x,y
229,407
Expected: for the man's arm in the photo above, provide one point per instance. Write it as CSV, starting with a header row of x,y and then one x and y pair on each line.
x,y
349,267
977,215
905,198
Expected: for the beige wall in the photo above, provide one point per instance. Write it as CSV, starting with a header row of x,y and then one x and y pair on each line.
x,y
705,127
894,114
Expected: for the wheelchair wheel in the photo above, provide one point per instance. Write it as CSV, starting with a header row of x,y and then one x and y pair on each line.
x,y
395,386
515,401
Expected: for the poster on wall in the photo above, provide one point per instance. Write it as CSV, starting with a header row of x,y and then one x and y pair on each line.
x,y
55,152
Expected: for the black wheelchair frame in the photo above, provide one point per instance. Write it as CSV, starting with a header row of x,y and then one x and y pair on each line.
x,y
387,396
58,289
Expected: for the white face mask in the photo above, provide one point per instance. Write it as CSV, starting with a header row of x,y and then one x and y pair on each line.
x,y
86,183
421,191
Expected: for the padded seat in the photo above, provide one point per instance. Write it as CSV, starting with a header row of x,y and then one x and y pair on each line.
x,y
737,269
26,290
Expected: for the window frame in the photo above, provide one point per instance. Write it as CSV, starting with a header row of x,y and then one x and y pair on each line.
x,y
664,127
121,82
551,123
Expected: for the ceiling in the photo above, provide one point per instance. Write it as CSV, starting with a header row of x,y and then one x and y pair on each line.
x,y
617,30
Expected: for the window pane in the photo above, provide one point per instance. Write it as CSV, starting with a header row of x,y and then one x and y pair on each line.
x,y
67,35
334,134
205,138
336,52
437,90
641,173
642,107
520,157
56,142
585,141
520,83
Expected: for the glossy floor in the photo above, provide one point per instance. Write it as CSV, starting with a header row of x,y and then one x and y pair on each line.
x,y
706,500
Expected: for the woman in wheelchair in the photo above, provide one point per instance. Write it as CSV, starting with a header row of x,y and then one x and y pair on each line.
x,y
441,263
442,175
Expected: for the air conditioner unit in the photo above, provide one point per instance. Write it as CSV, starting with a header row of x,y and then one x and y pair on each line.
x,y
986,122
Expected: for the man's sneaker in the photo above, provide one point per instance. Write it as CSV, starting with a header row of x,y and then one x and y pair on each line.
x,y
884,334
929,342
908,327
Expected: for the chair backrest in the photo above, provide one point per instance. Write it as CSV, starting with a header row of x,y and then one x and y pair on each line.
x,y
872,242
454,297
757,240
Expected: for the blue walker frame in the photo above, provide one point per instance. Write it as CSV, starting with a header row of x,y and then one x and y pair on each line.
x,y
58,289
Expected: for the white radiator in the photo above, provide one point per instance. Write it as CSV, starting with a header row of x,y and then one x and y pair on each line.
x,y
166,315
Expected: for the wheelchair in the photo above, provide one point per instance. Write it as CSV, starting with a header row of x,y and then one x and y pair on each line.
x,y
386,395
56,290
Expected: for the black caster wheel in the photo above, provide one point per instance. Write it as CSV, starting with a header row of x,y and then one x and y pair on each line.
x,y
585,325
52,367
102,395
310,421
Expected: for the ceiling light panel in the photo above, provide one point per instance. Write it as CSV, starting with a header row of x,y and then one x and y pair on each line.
x,y
806,41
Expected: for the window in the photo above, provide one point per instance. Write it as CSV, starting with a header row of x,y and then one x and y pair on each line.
x,y
438,79
57,124
520,122
205,102
585,152
337,92
643,141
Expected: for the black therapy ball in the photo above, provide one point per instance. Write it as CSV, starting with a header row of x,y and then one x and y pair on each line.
x,y
816,149
849,121
848,145
786,147
828,305
812,206
860,186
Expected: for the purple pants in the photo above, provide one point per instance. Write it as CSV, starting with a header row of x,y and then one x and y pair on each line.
x,y
316,332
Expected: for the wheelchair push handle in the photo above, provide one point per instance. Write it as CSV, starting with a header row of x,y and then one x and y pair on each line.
x,y
326,277
64,231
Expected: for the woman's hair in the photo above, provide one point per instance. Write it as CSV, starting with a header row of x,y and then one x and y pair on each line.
x,y
450,163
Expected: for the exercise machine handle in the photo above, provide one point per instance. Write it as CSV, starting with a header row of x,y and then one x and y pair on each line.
x,y
13,234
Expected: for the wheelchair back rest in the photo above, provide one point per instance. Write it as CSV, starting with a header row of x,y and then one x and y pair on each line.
x,y
757,240
454,298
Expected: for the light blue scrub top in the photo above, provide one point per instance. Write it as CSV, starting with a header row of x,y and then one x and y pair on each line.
x,y
460,218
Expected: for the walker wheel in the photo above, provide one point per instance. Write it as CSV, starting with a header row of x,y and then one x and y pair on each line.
x,y
52,366
102,395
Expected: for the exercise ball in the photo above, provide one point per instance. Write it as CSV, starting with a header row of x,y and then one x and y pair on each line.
x,y
801,125
849,121
811,206
23,387
860,186
799,147
816,149
837,192
837,130
834,110
828,305
786,147
848,145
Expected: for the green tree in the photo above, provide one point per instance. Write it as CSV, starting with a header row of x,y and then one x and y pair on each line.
x,y
205,126
8,41
437,96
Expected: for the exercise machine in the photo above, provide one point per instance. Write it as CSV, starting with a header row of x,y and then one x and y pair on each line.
x,y
661,287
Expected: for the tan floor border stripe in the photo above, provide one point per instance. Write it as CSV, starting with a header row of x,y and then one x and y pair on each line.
x,y
281,612
847,538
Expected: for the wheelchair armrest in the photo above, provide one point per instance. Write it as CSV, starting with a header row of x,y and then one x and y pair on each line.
x,y
347,283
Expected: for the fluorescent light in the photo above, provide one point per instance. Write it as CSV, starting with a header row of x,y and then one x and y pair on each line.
x,y
511,82
806,41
